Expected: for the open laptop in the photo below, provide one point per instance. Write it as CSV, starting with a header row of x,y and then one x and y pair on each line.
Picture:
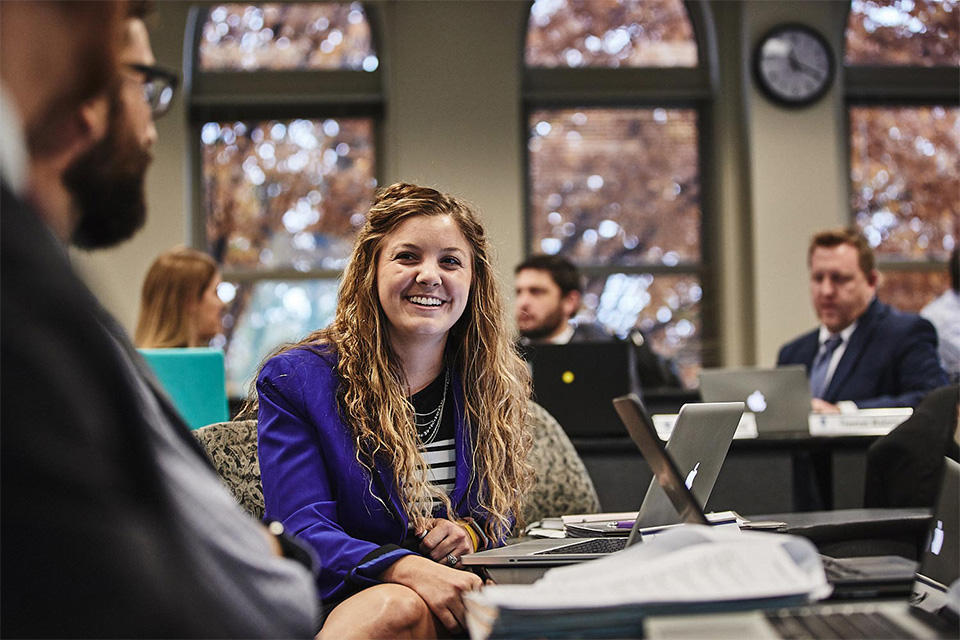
x,y
575,383
778,397
861,577
930,612
696,430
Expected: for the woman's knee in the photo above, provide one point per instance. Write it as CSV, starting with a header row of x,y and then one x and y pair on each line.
x,y
382,611
403,608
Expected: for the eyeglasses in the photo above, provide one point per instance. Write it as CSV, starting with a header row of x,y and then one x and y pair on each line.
x,y
158,86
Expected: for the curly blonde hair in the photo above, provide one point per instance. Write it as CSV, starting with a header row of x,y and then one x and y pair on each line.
x,y
371,395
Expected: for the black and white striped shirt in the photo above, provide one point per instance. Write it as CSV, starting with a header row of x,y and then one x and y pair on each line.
x,y
440,452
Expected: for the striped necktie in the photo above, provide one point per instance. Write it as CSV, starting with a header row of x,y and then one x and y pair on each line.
x,y
821,364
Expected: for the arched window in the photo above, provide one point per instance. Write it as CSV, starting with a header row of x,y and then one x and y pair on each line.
x,y
901,65
616,99
284,101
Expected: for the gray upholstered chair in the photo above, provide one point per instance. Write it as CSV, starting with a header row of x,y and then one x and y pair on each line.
x,y
563,484
232,447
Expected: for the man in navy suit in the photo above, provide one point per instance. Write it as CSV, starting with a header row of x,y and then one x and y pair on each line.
x,y
865,354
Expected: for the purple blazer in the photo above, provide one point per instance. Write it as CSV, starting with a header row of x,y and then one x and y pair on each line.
x,y
314,485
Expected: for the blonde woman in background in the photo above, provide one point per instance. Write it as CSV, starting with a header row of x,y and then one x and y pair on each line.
x,y
179,305
393,441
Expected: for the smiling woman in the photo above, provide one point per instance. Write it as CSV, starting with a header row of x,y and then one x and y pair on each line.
x,y
393,440
423,280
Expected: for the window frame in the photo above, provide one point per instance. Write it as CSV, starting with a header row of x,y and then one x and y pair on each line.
x,y
218,96
892,86
693,88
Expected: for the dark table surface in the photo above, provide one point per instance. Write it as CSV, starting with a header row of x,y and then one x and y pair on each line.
x,y
841,534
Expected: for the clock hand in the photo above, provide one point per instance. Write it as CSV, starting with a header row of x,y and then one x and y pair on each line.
x,y
796,65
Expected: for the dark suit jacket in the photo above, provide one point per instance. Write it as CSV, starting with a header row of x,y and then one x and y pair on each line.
x,y
891,360
905,466
90,547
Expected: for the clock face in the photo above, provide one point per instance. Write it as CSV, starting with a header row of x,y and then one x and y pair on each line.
x,y
793,65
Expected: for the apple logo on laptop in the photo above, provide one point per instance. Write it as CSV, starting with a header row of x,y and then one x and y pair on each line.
x,y
937,543
693,474
756,402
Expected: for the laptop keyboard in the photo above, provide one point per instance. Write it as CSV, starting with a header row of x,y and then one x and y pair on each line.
x,y
594,545
857,625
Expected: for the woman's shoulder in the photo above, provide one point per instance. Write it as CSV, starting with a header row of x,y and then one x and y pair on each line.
x,y
309,360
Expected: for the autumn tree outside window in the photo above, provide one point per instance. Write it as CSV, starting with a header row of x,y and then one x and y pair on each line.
x,y
284,101
901,65
617,96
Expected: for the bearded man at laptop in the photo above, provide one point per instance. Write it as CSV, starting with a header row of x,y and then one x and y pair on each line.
x,y
548,295
865,354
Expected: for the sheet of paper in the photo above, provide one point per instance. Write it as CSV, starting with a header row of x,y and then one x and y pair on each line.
x,y
691,564
598,517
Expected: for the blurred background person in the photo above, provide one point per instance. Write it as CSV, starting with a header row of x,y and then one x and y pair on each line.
x,y
549,292
179,304
865,354
944,314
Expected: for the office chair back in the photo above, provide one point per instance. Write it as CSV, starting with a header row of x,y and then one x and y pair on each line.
x,y
563,484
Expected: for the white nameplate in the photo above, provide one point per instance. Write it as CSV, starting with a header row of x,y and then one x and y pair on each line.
x,y
747,429
865,422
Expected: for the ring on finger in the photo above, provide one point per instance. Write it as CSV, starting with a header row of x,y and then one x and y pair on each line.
x,y
452,560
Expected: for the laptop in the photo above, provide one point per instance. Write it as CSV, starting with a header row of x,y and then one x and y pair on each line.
x,y
779,397
575,383
930,612
695,428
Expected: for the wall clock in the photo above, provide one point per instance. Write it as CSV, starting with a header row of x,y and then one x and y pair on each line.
x,y
793,65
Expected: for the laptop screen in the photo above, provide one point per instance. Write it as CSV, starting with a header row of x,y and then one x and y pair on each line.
x,y
941,559
575,383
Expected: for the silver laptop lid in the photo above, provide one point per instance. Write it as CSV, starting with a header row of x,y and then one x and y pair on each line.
x,y
698,446
778,397
668,480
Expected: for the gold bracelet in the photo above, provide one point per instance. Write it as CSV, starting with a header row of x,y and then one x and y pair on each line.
x,y
471,533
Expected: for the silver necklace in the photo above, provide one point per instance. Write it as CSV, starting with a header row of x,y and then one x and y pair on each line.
x,y
427,431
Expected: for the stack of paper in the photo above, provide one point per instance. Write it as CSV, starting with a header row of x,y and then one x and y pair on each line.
x,y
689,569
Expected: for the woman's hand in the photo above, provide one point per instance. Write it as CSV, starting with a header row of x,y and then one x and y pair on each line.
x,y
445,542
442,588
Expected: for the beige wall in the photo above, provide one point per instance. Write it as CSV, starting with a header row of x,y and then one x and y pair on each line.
x,y
454,121
798,172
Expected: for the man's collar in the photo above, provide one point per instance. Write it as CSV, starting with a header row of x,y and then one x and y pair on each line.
x,y
564,336
844,335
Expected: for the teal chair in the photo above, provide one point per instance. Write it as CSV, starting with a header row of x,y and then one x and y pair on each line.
x,y
194,379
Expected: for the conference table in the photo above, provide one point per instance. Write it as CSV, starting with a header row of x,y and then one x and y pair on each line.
x,y
768,474
840,533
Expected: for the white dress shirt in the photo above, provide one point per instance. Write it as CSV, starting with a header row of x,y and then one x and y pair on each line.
x,y
944,314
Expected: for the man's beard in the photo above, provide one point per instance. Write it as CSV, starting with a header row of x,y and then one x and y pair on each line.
x,y
551,323
107,185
